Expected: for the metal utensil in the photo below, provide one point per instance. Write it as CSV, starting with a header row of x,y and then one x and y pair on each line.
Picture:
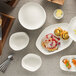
x,y
4,65
0,28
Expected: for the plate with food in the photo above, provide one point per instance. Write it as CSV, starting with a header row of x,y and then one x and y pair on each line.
x,y
68,63
53,39
72,28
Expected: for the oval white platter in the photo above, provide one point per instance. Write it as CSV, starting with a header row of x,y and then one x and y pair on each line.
x,y
72,26
50,29
62,65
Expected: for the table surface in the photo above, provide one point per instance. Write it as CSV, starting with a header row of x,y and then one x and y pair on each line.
x,y
50,64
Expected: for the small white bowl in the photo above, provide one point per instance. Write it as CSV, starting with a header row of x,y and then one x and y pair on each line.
x,y
31,62
32,16
56,16
18,41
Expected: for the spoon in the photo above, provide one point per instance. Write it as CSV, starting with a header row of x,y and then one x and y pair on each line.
x,y
4,65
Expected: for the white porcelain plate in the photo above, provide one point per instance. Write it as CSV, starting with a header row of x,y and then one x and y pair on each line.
x,y
32,15
31,62
62,65
50,29
72,27
18,41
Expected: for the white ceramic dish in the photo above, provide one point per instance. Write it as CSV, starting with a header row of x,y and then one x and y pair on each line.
x,y
32,16
18,41
72,26
56,16
31,62
50,29
62,65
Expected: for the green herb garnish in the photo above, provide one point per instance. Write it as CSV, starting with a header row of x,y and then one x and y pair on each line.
x,y
67,64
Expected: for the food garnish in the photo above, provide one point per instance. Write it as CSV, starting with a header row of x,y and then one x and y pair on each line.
x,y
59,13
50,42
67,63
74,62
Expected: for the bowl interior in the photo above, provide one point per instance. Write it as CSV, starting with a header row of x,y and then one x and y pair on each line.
x,y
18,41
32,16
31,62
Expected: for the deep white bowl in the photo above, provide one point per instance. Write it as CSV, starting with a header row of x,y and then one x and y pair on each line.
x,y
18,41
32,16
31,62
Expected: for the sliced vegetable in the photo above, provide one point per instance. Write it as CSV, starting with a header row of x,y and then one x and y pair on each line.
x,y
67,63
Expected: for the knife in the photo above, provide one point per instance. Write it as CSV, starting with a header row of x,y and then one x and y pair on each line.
x,y
0,27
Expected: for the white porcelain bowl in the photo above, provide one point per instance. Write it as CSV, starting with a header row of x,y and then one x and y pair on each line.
x,y
32,16
56,16
18,41
31,62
